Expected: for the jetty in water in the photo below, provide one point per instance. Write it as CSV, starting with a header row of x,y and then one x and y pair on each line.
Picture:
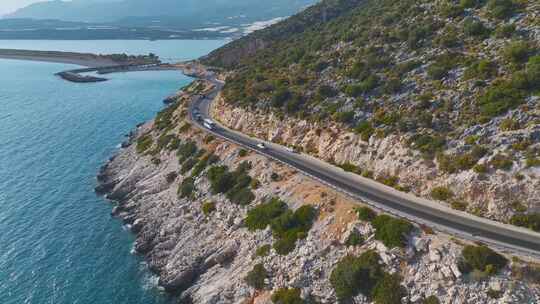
x,y
94,64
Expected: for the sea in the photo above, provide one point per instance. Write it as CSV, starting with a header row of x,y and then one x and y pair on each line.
x,y
58,241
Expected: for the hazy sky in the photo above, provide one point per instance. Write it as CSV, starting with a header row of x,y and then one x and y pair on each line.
x,y
8,6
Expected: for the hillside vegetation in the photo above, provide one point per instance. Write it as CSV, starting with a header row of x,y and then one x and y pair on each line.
x,y
457,81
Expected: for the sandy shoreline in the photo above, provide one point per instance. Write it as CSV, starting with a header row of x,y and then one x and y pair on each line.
x,y
82,59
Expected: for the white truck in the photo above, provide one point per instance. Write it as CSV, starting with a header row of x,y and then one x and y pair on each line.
x,y
209,124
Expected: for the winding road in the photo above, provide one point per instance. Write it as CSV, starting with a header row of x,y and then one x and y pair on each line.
x,y
503,237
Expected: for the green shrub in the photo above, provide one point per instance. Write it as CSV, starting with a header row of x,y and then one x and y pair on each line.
x,y
287,296
208,159
502,162
290,226
441,193
482,69
480,169
475,28
531,221
164,140
326,91
499,99
262,215
365,130
208,208
242,153
431,300
144,143
494,294
429,145
390,181
389,290
365,214
187,188
188,165
164,118
348,167
459,205
184,128
209,138
345,117
505,31
221,180
471,3
353,275
391,231
186,150
255,278
532,162
533,73
509,124
242,196
450,10
483,259
517,52
442,65
263,251
354,239
501,9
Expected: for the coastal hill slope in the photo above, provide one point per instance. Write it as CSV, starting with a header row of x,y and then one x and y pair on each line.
x,y
437,98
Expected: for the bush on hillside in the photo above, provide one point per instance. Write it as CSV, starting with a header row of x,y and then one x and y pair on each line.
x,y
255,278
187,188
144,143
429,145
441,193
365,129
391,231
483,69
483,259
291,226
389,290
500,98
475,28
365,214
353,275
186,150
287,296
262,215
517,52
431,300
501,9
531,221
501,162
208,208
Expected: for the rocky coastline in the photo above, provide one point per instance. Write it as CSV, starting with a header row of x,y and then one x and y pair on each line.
x,y
204,257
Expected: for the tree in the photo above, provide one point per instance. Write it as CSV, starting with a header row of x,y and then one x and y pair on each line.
x,y
353,275
391,231
287,296
255,278
388,290
484,259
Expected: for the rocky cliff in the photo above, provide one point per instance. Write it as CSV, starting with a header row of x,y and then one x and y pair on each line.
x,y
164,185
495,195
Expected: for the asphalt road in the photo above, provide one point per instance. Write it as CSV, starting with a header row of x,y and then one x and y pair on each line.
x,y
422,211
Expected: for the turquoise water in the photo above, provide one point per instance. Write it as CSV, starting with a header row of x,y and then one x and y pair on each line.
x,y
58,242
168,50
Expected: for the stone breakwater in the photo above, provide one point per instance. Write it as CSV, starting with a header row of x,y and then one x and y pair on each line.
x,y
204,258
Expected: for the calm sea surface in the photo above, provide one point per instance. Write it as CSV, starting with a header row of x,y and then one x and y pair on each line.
x,y
58,243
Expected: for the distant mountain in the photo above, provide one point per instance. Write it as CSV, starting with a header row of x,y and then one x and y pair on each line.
x,y
187,13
